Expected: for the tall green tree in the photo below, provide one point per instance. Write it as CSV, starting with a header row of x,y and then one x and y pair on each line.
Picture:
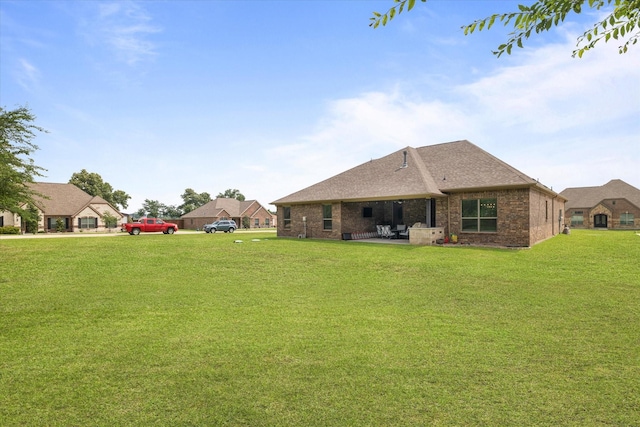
x,y
151,208
17,168
157,209
170,211
120,198
621,23
193,200
92,183
232,194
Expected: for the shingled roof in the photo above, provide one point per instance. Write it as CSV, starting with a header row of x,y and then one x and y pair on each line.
x,y
213,209
63,199
430,171
588,197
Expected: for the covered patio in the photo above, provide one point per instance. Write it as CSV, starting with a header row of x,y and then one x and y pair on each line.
x,y
390,220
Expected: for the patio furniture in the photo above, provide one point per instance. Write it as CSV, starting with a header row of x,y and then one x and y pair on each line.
x,y
384,231
403,232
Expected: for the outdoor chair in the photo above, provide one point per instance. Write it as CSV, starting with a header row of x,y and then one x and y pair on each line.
x,y
386,231
403,232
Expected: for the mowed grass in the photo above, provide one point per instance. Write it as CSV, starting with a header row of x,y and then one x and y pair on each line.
x,y
193,329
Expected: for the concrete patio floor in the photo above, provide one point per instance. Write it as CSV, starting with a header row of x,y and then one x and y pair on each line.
x,y
384,241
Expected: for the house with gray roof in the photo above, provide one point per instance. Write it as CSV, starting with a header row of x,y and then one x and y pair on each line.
x,y
455,186
257,216
68,205
614,205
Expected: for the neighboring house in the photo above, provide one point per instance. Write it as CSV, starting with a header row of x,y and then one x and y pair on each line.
x,y
615,205
226,208
455,186
69,206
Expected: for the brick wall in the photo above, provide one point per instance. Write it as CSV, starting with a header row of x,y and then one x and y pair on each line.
x,y
442,216
352,216
546,215
585,215
513,218
415,211
314,222
525,217
619,207
613,208
261,214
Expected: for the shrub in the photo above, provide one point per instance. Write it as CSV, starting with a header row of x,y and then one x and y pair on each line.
x,y
9,229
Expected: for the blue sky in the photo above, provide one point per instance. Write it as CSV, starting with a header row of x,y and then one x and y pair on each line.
x,y
269,97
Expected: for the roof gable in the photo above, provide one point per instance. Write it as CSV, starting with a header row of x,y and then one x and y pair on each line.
x,y
383,178
232,207
429,171
588,197
462,165
63,199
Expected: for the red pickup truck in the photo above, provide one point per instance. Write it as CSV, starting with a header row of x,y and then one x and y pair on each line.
x,y
148,225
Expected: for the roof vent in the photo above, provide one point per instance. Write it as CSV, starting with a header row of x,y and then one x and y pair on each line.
x,y
404,162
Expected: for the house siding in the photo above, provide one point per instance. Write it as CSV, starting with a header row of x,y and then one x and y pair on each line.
x,y
612,200
91,211
414,211
214,211
314,222
619,207
10,219
523,218
348,218
512,222
546,215
198,223
613,208
353,221
262,215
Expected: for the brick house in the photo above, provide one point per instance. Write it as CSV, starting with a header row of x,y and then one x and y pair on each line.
x,y
615,205
454,186
226,208
75,209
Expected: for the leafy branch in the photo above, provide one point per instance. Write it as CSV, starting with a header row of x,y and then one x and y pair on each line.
x,y
383,18
623,23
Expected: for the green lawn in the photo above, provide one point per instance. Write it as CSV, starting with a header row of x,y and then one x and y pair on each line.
x,y
193,329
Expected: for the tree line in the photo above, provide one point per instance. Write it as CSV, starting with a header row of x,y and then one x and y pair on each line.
x,y
18,171
191,201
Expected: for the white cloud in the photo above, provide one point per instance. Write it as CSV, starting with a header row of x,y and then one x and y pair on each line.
x,y
27,75
355,130
566,121
125,28
550,91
